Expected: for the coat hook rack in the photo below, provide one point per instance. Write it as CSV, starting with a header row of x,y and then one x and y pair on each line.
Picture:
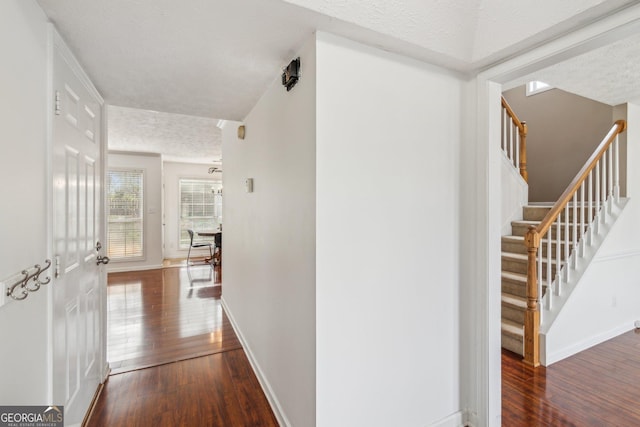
x,y
29,281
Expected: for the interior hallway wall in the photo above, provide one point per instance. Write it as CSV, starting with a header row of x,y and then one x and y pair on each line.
x,y
24,216
563,131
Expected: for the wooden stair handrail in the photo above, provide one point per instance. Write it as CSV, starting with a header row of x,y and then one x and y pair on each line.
x,y
522,130
566,197
532,242
516,121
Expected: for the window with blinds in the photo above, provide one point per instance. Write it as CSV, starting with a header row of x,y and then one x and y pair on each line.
x,y
200,208
125,213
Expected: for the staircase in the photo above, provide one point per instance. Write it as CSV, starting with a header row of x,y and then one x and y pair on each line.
x,y
549,249
514,272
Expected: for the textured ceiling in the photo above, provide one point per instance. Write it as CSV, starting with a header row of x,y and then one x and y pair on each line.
x,y
215,58
178,137
610,74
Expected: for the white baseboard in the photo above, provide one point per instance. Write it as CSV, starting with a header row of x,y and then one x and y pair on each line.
x,y
105,373
264,383
453,420
123,268
576,348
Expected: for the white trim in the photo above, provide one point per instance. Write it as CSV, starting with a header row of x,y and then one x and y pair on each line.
x,y
105,213
106,371
70,59
262,379
616,256
56,45
453,420
470,418
49,194
487,366
565,352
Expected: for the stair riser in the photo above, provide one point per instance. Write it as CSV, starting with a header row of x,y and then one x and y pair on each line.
x,y
513,344
514,248
515,314
533,213
518,289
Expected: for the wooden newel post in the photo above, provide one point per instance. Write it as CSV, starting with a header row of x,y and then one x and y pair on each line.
x,y
523,152
532,315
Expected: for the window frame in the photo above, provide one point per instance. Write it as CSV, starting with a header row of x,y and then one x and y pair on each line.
x,y
143,219
212,183
535,87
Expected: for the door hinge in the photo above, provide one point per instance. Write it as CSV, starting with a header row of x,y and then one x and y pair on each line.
x,y
57,110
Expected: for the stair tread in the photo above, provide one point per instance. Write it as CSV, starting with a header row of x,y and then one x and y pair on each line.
x,y
520,239
524,257
512,327
514,255
517,277
529,222
514,300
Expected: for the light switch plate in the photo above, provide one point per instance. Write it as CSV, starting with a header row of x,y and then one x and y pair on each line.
x,y
248,185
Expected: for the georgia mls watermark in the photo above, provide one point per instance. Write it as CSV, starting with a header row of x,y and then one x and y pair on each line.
x,y
31,416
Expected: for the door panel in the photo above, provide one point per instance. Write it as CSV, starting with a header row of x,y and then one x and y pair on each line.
x,y
77,340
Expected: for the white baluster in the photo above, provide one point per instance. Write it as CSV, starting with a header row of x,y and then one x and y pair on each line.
x,y
610,179
558,248
505,117
517,150
539,268
590,212
583,227
549,274
566,243
597,200
549,277
574,248
616,177
511,141
603,188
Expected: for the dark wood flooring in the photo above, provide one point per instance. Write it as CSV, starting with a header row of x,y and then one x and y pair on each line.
x,y
164,315
175,358
598,387
216,390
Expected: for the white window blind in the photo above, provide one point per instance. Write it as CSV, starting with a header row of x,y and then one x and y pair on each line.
x,y
125,213
200,208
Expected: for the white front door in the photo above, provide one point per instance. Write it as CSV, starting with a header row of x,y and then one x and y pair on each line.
x,y
77,215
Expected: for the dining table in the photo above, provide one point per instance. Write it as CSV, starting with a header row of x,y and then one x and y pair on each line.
x,y
217,237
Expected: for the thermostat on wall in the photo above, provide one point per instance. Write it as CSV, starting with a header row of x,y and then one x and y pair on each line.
x,y
248,185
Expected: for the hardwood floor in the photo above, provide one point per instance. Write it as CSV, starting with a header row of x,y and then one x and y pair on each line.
x,y
216,390
165,315
172,320
598,387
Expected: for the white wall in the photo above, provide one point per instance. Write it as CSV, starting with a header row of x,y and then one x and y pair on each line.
x,y
173,172
387,289
515,195
605,303
269,240
23,217
151,164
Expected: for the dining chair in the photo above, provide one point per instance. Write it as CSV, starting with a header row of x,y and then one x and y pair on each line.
x,y
193,244
217,252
